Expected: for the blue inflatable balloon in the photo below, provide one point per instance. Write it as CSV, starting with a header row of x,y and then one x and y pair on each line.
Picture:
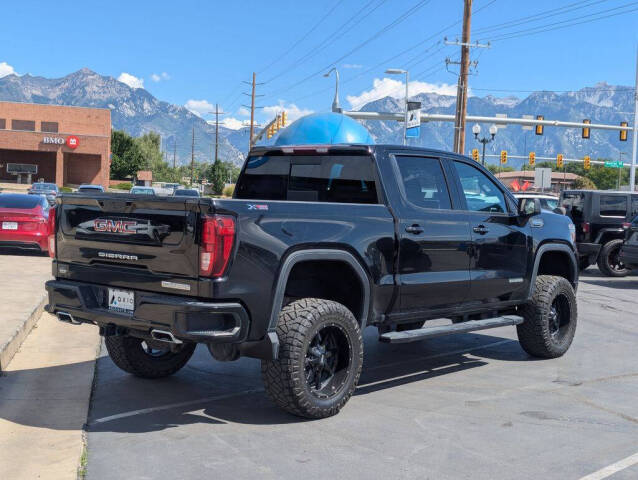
x,y
324,128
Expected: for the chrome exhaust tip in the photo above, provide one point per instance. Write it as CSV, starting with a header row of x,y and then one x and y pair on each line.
x,y
66,317
164,336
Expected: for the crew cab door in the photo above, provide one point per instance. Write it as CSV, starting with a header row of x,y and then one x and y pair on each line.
x,y
433,263
500,245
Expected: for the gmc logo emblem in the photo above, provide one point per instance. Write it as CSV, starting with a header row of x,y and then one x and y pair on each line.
x,y
114,226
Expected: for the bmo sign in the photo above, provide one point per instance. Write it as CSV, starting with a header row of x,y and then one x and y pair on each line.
x,y
71,141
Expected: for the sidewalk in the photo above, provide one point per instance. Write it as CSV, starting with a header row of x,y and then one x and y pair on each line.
x,y
22,297
44,400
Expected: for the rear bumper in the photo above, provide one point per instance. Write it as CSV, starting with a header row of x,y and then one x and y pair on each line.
x,y
186,318
27,240
588,250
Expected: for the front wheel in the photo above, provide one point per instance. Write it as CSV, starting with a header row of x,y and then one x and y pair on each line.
x,y
320,358
549,318
609,261
147,358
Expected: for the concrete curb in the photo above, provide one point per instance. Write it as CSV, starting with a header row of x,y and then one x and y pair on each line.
x,y
9,349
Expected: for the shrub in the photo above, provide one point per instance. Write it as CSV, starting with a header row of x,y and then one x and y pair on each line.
x,y
66,190
123,186
228,190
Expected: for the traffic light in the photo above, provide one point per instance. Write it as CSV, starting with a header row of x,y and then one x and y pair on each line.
x,y
532,159
284,118
503,157
539,128
623,133
586,129
475,154
559,160
278,122
586,162
270,131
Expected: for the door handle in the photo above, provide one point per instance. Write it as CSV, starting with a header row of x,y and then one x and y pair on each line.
x,y
415,228
481,229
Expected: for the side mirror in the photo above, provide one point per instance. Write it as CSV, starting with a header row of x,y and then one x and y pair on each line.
x,y
560,210
528,207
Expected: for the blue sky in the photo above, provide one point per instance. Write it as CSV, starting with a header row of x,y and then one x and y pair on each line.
x,y
197,53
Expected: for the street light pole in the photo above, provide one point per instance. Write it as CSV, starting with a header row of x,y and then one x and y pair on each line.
x,y
335,103
397,71
632,170
476,129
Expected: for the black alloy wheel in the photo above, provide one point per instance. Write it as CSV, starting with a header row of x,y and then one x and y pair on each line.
x,y
327,360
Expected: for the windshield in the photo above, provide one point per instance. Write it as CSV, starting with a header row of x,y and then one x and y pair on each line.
x,y
44,186
20,201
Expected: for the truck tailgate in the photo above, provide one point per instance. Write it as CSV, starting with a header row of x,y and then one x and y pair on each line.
x,y
131,239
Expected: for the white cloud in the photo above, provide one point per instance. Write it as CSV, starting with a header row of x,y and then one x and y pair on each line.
x,y
234,123
199,107
157,77
294,112
243,112
389,87
6,69
352,65
131,80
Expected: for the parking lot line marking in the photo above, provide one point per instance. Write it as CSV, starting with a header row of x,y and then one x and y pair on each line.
x,y
144,411
613,468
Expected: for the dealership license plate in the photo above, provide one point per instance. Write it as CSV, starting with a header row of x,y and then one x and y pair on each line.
x,y
9,225
121,300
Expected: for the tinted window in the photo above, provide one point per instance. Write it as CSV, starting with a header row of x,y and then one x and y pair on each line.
x,y
19,201
481,194
23,125
423,182
186,193
613,205
573,203
334,178
264,178
309,178
634,205
51,127
44,186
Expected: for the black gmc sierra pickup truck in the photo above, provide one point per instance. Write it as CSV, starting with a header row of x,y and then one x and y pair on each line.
x,y
318,243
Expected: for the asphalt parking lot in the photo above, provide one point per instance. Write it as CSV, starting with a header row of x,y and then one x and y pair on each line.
x,y
466,406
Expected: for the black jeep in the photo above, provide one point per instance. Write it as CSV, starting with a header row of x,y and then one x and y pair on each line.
x,y
600,217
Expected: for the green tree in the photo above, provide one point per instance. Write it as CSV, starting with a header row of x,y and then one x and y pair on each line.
x,y
150,148
126,157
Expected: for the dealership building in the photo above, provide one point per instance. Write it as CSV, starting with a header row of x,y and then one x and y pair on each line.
x,y
64,145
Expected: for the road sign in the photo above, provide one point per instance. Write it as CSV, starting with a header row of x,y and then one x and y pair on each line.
x,y
542,178
528,117
614,164
414,120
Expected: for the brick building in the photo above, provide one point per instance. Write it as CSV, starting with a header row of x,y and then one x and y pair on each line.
x,y
65,145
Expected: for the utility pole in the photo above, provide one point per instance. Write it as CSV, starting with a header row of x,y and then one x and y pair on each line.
x,y
632,170
174,151
216,130
252,94
193,158
461,92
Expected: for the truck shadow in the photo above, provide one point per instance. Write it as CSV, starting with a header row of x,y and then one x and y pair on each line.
x,y
21,252
208,392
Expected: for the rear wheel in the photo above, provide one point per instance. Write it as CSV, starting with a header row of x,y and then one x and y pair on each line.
x,y
147,358
319,360
550,318
609,259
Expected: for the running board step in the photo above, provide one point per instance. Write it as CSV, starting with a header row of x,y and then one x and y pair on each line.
x,y
464,327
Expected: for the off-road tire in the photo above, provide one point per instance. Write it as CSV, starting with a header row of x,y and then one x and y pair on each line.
x,y
128,354
285,378
534,334
612,247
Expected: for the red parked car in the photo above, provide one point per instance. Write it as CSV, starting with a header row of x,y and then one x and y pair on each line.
x,y
26,221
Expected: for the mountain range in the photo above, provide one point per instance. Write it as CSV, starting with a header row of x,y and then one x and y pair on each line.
x,y
136,111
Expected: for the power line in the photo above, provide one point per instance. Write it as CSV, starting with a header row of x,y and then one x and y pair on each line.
x,y
540,16
566,23
327,40
303,37
373,37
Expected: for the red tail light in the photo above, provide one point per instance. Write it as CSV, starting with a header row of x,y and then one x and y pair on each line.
x,y
585,227
218,236
626,225
51,233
